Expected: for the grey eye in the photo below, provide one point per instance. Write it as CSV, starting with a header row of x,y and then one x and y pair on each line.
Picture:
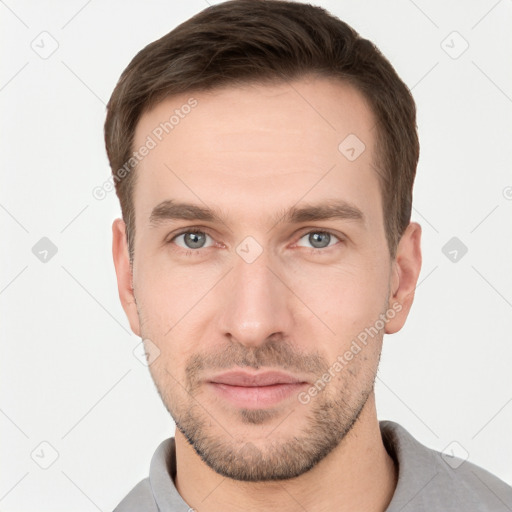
x,y
191,240
318,239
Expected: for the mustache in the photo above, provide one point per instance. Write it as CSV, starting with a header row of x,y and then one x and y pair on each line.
x,y
273,353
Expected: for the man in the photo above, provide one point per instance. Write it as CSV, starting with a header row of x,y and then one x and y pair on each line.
x,y
264,156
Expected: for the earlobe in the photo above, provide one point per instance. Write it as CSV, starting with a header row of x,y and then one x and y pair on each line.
x,y
406,270
124,274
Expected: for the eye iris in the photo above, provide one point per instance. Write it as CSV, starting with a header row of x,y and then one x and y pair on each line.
x,y
319,240
194,240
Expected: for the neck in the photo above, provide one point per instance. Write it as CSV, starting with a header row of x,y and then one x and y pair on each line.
x,y
357,475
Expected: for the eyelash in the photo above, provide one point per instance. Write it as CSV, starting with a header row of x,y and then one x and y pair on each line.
x,y
312,250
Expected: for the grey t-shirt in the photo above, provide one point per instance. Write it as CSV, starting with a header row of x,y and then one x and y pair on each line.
x,y
427,481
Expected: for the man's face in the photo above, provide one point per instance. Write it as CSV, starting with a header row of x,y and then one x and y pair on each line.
x,y
259,289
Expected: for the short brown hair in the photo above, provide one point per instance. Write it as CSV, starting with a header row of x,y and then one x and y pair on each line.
x,y
260,41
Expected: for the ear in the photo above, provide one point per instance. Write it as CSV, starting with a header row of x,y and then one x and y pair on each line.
x,y
405,269
124,274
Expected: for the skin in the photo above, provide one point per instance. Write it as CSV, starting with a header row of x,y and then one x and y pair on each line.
x,y
252,152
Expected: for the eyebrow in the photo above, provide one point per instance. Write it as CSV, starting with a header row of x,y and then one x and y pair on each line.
x,y
170,210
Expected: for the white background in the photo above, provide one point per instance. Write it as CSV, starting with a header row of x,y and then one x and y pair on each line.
x,y
69,376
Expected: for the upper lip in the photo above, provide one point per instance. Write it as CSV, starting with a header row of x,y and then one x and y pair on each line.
x,y
268,378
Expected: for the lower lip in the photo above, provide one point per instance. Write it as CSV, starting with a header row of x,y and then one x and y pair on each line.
x,y
256,397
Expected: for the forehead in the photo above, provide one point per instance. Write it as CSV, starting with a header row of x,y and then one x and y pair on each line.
x,y
258,144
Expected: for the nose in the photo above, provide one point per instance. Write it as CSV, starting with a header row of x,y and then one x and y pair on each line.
x,y
256,303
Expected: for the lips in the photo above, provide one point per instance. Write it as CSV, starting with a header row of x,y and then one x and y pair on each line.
x,y
244,379
255,390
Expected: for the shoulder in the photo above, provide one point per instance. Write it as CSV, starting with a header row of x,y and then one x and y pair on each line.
x,y
140,498
157,492
431,480
463,483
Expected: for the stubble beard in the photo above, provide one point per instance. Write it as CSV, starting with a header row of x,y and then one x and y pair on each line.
x,y
331,416
332,413
328,422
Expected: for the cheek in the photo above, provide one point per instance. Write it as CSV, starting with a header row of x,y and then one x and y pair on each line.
x,y
167,293
348,297
172,304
